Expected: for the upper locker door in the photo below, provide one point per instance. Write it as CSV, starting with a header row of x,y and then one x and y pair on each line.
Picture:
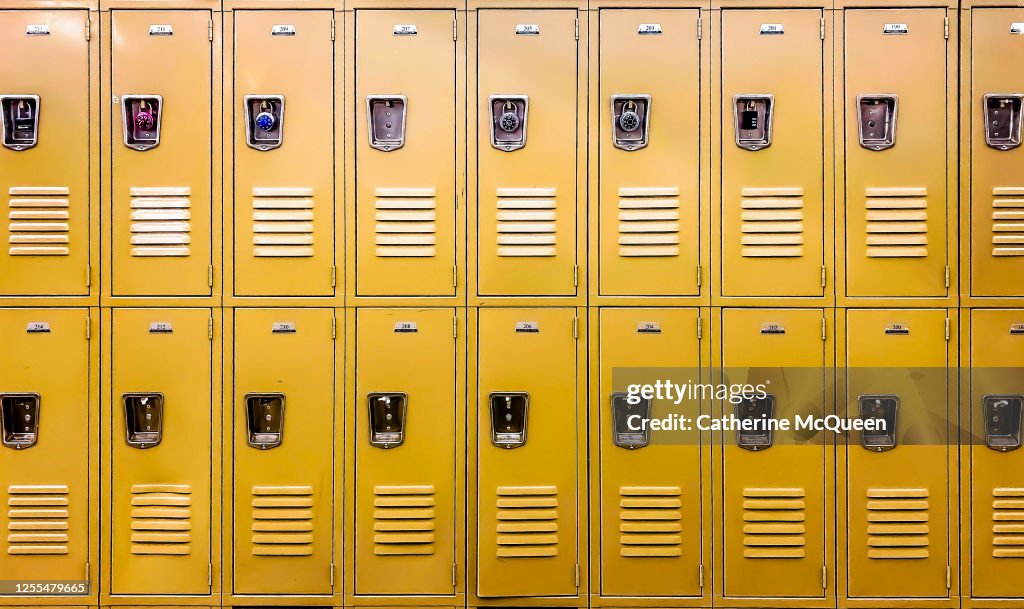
x,y
406,190
772,152
527,159
774,485
45,160
406,436
161,145
649,162
528,451
44,458
897,493
997,186
283,109
996,563
896,110
161,407
283,480
651,515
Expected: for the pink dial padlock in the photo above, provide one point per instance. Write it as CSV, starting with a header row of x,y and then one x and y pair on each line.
x,y
144,120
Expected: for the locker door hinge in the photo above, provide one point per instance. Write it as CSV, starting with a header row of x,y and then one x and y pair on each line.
x,y
88,275
945,33
455,275
455,36
949,578
455,326
334,328
947,328
209,30
209,275
88,35
700,334
209,574
334,276
577,575
700,575
332,38
824,275
823,329
822,28
577,34
947,276
575,275
88,328
700,35
824,577
700,275
575,327
455,574
332,569
209,328
88,570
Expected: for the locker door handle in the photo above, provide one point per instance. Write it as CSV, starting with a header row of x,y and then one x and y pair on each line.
x,y
386,117
752,120
876,120
509,114
885,408
20,124
1002,421
631,118
756,408
20,419
508,418
387,418
142,117
143,419
1002,120
626,417
264,121
264,416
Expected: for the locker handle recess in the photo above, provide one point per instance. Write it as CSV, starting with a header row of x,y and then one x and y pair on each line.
x,y
622,410
758,409
20,419
386,117
265,419
1003,120
752,119
508,418
387,418
876,120
264,121
142,117
508,121
631,118
1002,421
20,122
886,408
143,419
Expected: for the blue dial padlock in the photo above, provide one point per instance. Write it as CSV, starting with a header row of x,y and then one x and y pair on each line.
x,y
265,121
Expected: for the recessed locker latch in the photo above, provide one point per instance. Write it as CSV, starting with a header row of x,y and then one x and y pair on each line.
x,y
141,116
387,418
20,123
752,118
386,116
1002,421
876,120
1003,120
631,118
884,408
508,121
761,410
20,419
265,419
143,419
264,121
624,435
508,418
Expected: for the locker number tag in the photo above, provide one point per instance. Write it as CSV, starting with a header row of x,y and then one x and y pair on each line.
x,y
1017,28
282,30
772,29
161,30
36,327
406,326
1017,329
650,29
161,327
896,28
527,29
773,328
648,327
37,29
405,29
283,327
897,329
527,326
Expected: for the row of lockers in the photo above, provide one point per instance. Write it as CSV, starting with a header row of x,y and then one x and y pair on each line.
x,y
402,456
507,151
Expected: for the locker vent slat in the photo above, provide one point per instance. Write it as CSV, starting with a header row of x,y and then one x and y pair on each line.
x,y
1008,221
161,519
161,221
648,222
898,523
1008,523
773,522
772,222
897,222
282,520
527,521
527,222
38,221
650,521
282,222
405,222
404,520
37,520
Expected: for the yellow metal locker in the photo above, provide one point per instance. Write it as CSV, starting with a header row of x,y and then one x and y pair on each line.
x,y
46,159
528,453
996,65
994,404
407,185
48,415
896,143
161,148
772,214
407,440
527,113
898,478
651,514
283,142
776,517
283,481
649,151
162,452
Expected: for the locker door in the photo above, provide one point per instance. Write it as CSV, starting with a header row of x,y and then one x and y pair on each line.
x,y
45,159
772,152
997,393
406,432
162,451
161,75
774,493
527,485
898,492
651,515
997,187
527,121
283,112
406,172
284,446
44,459
650,175
895,152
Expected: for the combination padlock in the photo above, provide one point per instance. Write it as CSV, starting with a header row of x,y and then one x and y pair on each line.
x,y
509,120
629,120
